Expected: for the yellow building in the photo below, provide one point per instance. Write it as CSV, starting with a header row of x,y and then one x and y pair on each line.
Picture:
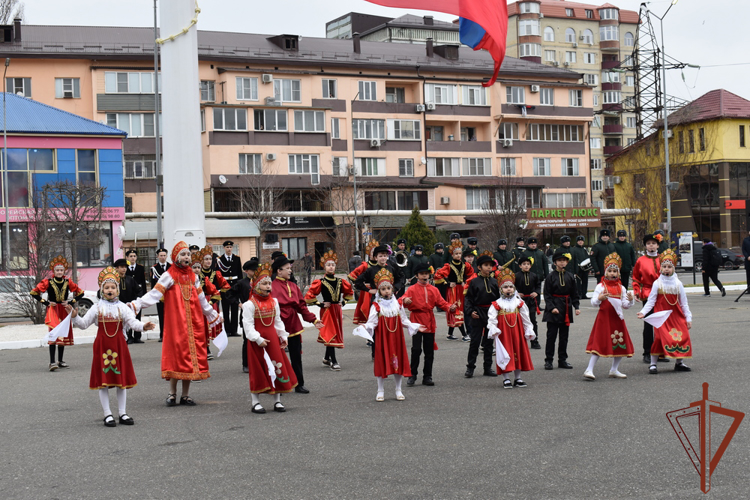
x,y
709,162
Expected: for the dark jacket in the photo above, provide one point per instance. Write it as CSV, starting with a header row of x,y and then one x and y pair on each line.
x,y
598,253
709,253
746,251
413,261
231,270
517,252
139,275
663,245
627,253
504,257
560,290
157,271
540,267
579,255
437,260
571,267
129,289
354,262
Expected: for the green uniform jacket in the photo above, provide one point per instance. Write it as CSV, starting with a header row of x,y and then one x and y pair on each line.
x,y
598,253
540,267
437,260
571,267
413,261
517,252
627,253
579,255
663,245
502,257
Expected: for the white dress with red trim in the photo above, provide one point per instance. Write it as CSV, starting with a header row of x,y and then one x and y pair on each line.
x,y
672,339
510,319
609,336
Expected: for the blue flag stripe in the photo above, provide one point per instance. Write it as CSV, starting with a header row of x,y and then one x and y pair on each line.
x,y
470,33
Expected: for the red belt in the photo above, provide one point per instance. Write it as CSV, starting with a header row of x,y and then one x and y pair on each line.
x,y
536,302
567,298
482,305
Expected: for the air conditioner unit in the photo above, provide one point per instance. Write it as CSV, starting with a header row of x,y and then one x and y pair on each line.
x,y
444,200
420,108
617,179
270,156
541,16
535,88
556,63
507,143
272,238
566,63
375,143
430,106
68,94
270,101
669,134
575,44
266,78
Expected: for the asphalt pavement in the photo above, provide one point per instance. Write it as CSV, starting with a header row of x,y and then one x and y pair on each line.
x,y
562,437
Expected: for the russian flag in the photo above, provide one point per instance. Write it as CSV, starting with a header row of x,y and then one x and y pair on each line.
x,y
483,24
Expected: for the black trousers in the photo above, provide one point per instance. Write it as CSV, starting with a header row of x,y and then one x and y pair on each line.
x,y
160,312
713,275
648,335
531,304
295,357
478,334
625,278
419,342
747,275
553,329
443,288
230,311
132,334
583,283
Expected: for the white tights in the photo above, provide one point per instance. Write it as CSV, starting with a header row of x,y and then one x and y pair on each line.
x,y
122,396
381,384
516,375
595,358
256,400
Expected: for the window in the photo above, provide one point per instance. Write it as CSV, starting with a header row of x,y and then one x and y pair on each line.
x,y
681,141
272,120
309,121
329,89
335,131
569,166
408,130
515,95
129,83
508,131
441,93
588,37
691,141
207,91
589,57
473,95
550,55
434,133
589,14
305,164
507,166
247,89
370,167
529,8
251,163
702,139
294,248
576,98
596,163
547,96
570,34
380,200
608,14
477,199
530,50
563,200
627,60
203,120
230,119
630,81
597,121
590,79
742,136
405,167
368,129
442,167
631,141
541,166
528,27
368,91
135,124
340,166
476,166
395,94
610,77
554,133
629,39
596,185
286,90
570,57
612,96
569,12
67,88
608,33
86,166
138,167
598,204
595,143
407,200
630,122
19,86
549,34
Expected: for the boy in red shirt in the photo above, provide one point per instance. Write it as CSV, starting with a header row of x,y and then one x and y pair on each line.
x,y
647,270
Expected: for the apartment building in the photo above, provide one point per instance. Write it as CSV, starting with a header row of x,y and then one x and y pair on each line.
x,y
412,122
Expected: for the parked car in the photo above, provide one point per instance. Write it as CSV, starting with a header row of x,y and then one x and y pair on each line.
x,y
729,259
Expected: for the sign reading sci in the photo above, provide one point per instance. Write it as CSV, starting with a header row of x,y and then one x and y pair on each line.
x,y
551,218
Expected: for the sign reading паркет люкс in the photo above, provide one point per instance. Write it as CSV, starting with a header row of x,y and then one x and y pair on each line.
x,y
552,218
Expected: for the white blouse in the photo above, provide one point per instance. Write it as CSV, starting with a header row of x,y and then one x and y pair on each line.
x,y
389,308
166,280
110,310
248,322
668,284
600,288
509,305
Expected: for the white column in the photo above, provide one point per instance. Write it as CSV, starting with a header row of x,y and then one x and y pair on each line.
x,y
184,217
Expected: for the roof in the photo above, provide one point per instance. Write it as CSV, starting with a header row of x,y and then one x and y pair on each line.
x,y
103,43
712,105
26,116
556,8
412,21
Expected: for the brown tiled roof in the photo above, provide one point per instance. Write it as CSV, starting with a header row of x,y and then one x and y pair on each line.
x,y
556,8
412,21
715,104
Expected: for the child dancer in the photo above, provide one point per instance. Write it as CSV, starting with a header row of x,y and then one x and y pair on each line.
x,y
515,327
672,339
385,324
529,287
421,299
111,366
209,274
57,290
362,310
335,292
456,273
481,292
266,340
645,273
609,337
560,298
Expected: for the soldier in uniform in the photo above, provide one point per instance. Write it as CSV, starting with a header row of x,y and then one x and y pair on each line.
x,y
138,273
518,250
471,244
437,262
539,261
503,256
157,270
599,252
627,253
415,261
529,287
130,290
230,266
565,247
580,254
240,293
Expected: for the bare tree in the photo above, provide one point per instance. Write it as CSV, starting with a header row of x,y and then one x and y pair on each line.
x,y
259,197
10,9
506,213
339,196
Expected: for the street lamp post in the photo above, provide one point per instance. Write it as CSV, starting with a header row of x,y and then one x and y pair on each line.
x,y
5,170
157,164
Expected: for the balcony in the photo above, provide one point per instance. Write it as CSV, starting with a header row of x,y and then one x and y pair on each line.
x,y
612,129
609,193
611,86
610,64
610,150
459,146
613,107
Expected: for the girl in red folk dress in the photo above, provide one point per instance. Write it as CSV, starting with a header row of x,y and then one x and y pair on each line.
x,y
386,319
363,302
456,273
672,339
210,274
509,317
270,370
183,352
334,292
609,337
111,366
57,290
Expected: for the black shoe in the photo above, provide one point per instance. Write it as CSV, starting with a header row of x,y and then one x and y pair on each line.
x,y
126,420
302,389
245,369
647,359
490,373
565,365
469,373
519,383
138,342
724,292
130,341
109,421
548,365
187,401
507,384
652,370
682,367
427,381
451,337
410,381
535,344
706,294
257,408
663,360
161,340
171,399
279,407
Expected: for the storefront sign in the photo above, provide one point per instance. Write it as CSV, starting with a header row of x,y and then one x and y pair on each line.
x,y
686,249
301,222
30,214
553,218
735,204
271,246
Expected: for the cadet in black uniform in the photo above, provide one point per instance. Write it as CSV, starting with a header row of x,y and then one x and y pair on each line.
x,y
539,261
129,291
580,254
518,250
560,299
157,270
437,262
529,287
138,273
481,292
415,261
503,256
231,268
240,293
599,252
627,253
565,247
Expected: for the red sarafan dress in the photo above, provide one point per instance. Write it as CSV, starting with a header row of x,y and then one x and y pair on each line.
x,y
331,289
111,365
261,320
511,318
609,336
362,310
672,339
459,273
57,293
210,291
213,285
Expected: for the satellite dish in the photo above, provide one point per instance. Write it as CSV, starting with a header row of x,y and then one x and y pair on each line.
x,y
222,179
424,161
121,232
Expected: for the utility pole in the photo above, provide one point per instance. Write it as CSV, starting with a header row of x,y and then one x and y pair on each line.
x,y
157,165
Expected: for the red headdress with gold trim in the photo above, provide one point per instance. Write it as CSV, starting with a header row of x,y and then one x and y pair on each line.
x,y
59,261
669,255
505,275
109,273
454,245
329,255
613,259
370,247
196,258
207,250
382,276
264,271
179,246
